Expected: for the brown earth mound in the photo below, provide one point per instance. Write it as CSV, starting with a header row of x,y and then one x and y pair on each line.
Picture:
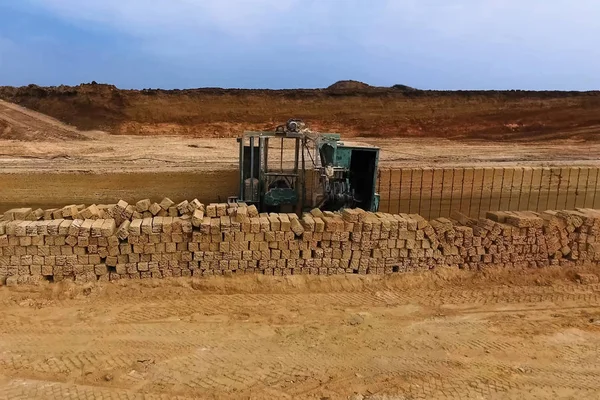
x,y
348,108
352,85
19,123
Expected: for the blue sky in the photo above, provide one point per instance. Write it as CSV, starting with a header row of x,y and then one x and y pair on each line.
x,y
429,44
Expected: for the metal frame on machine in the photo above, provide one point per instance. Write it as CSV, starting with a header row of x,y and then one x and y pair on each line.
x,y
266,176
287,186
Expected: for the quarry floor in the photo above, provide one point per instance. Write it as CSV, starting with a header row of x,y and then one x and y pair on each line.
x,y
105,153
437,335
45,163
107,168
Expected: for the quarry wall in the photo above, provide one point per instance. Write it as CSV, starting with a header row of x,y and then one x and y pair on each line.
x,y
160,240
430,192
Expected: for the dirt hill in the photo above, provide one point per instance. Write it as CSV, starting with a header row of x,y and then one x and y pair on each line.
x,y
19,123
349,85
351,108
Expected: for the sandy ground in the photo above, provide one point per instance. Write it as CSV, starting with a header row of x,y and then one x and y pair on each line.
x,y
444,335
109,153
440,335
51,146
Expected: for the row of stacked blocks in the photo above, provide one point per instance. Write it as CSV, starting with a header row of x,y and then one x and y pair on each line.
x,y
222,239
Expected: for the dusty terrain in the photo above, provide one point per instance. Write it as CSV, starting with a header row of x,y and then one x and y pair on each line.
x,y
46,163
440,335
33,141
355,110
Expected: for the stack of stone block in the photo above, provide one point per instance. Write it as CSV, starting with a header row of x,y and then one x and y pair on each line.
x,y
120,211
158,240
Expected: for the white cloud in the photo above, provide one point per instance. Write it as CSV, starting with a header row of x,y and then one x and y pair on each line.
x,y
153,18
374,37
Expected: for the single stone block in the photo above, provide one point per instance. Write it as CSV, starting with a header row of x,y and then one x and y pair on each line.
x,y
143,205
166,203
211,210
196,205
92,212
155,208
108,227
48,214
183,207
147,226
197,218
135,228
70,211
96,230
252,211
84,230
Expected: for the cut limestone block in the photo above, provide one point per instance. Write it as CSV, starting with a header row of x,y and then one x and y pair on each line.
x,y
96,230
167,225
129,210
108,228
197,218
48,214
123,231
121,206
143,205
166,203
296,227
84,230
74,227
196,205
315,212
241,214
70,211
155,208
350,215
319,224
205,226
275,223
147,226
211,210
38,214
252,211
92,212
135,229
285,222
157,225
18,214
53,227
221,209
183,207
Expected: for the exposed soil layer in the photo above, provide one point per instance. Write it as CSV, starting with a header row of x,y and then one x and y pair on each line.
x,y
438,335
19,123
346,107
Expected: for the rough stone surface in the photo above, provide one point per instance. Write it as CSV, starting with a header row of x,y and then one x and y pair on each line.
x,y
239,240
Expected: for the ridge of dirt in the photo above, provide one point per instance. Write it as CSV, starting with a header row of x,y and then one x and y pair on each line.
x,y
351,109
19,123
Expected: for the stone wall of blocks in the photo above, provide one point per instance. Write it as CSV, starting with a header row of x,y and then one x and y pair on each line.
x,y
219,239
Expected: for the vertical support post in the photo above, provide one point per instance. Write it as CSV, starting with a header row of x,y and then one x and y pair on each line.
x,y
297,182
400,191
263,166
252,167
241,166
303,175
265,154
